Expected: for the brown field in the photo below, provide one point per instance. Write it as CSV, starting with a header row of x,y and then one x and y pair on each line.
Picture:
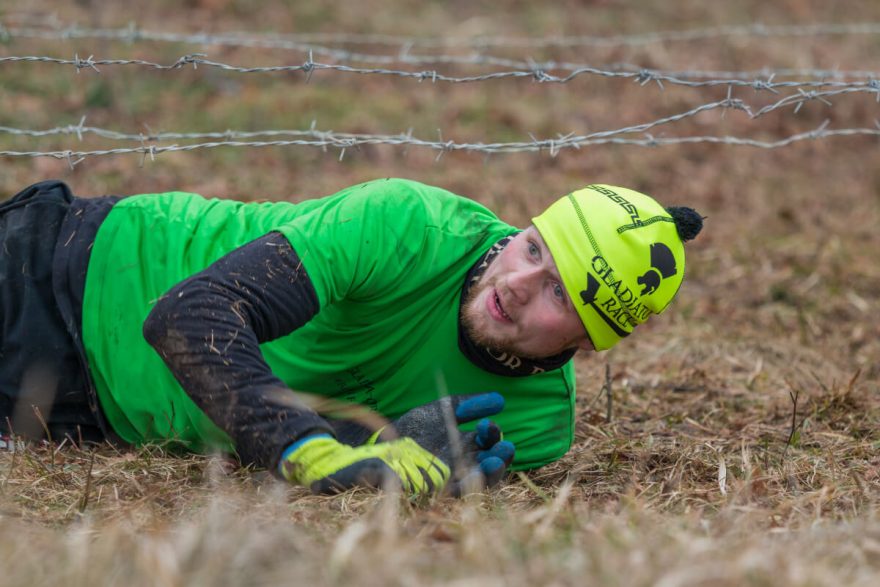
x,y
706,473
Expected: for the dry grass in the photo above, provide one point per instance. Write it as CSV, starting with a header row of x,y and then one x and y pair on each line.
x,y
705,474
688,485
662,495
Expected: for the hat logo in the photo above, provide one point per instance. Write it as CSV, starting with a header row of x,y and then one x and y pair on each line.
x,y
662,266
588,297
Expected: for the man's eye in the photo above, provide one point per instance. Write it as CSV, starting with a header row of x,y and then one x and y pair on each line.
x,y
533,250
557,291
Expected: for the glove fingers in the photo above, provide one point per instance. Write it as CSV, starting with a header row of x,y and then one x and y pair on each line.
x,y
429,482
503,450
483,443
474,407
433,479
368,472
488,433
493,470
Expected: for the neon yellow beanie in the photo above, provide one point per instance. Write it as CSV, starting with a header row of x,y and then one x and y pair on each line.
x,y
620,255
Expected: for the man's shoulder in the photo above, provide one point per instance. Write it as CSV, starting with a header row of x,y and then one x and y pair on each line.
x,y
401,186
435,201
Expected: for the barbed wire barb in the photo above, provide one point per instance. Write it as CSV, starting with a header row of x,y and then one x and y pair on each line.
x,y
875,85
71,162
82,64
810,96
818,132
79,128
309,67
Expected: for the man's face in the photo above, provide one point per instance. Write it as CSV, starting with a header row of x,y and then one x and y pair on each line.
x,y
520,306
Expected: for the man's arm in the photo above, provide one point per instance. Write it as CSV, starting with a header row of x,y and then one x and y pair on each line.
x,y
208,329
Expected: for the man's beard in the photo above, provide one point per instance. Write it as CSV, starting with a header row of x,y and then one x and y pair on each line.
x,y
475,320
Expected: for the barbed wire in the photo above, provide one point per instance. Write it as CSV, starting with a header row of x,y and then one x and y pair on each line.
x,y
403,55
729,103
344,141
642,77
132,33
823,86
553,146
314,137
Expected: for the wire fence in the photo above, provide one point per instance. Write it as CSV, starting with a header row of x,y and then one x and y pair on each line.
x,y
535,74
815,85
728,103
344,141
304,44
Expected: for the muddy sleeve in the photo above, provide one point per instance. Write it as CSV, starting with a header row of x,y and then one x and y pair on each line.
x,y
208,329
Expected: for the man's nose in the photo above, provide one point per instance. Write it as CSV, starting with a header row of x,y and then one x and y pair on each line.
x,y
522,284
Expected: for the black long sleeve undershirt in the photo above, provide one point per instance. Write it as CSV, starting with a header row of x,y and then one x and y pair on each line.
x,y
208,329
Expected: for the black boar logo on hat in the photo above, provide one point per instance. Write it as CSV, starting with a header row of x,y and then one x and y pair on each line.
x,y
662,266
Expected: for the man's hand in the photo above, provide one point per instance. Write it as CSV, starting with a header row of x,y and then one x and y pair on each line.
x,y
327,466
479,458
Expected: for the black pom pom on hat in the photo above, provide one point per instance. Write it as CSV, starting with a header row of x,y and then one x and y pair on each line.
x,y
688,222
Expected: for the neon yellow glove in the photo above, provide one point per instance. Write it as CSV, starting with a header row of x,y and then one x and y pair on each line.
x,y
327,466
479,459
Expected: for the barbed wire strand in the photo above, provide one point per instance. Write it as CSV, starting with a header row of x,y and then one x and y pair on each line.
x,y
133,33
643,77
553,146
81,129
230,136
403,55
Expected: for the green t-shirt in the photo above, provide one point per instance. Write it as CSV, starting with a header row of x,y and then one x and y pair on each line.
x,y
387,259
